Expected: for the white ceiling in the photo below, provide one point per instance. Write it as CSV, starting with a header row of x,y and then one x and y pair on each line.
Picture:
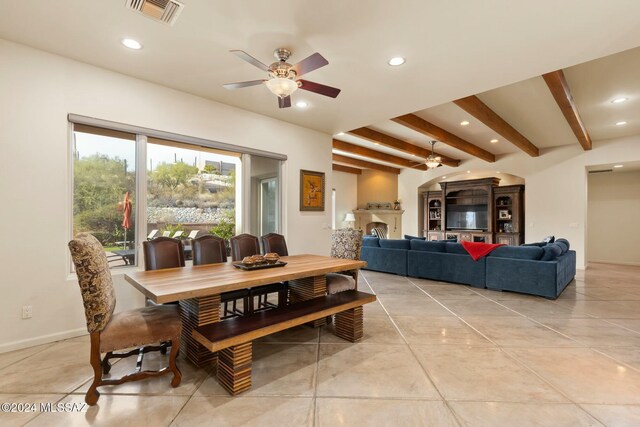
x,y
453,49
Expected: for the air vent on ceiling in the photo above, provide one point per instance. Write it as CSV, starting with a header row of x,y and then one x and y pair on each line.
x,y
166,11
602,171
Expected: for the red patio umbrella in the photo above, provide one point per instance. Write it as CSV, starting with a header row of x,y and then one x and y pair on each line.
x,y
126,216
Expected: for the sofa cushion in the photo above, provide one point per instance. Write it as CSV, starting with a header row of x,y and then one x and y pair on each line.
x,y
408,237
538,244
454,240
427,246
455,248
371,241
551,252
563,242
395,243
518,252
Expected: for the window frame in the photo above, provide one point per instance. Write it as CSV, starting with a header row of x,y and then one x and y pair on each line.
x,y
141,140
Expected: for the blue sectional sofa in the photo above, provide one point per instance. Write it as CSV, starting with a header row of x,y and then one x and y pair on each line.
x,y
536,270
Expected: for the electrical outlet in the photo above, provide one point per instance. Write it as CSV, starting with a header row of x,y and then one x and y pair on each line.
x,y
27,311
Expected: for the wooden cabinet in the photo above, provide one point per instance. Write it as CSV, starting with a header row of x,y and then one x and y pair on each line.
x,y
509,214
485,211
433,213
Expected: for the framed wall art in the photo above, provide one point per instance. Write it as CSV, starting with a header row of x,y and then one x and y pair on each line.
x,y
311,191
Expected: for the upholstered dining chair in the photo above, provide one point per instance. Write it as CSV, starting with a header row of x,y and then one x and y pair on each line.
x,y
163,252
274,242
209,249
346,243
244,245
111,332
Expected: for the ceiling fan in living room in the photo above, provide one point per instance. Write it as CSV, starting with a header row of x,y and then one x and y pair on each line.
x,y
283,77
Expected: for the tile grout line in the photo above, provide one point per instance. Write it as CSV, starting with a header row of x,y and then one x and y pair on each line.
x,y
424,370
502,349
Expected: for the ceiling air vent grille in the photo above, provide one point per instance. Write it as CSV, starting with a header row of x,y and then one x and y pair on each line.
x,y
602,171
166,11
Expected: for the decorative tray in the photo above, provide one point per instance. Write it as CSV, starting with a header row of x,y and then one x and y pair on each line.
x,y
241,266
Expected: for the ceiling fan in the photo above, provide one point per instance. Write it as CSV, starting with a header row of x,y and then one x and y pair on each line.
x,y
283,77
433,161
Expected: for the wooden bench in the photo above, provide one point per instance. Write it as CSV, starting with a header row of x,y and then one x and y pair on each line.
x,y
232,338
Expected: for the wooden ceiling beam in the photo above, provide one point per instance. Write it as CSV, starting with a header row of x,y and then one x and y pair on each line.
x,y
478,109
347,169
559,88
373,154
400,145
418,124
364,164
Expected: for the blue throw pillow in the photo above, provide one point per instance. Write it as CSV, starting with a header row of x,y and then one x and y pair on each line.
x,y
395,243
551,252
518,252
566,242
454,240
538,244
427,246
408,237
371,241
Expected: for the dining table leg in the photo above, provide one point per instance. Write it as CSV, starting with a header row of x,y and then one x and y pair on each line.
x,y
197,312
308,288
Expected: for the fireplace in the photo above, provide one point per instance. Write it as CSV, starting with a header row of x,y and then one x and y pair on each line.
x,y
376,224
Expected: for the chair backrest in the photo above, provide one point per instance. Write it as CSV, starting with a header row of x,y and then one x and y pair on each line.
x,y
208,249
153,234
274,242
94,279
244,245
193,234
166,233
163,252
346,243
178,234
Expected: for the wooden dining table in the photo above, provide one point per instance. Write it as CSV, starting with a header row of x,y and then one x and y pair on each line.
x,y
198,289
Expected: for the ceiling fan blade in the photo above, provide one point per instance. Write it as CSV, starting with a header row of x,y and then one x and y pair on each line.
x,y
250,59
319,88
240,85
309,64
284,102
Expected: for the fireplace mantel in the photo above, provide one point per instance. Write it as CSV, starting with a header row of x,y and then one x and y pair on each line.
x,y
391,217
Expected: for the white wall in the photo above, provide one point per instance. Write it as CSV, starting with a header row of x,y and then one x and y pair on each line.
x,y
346,185
555,192
614,212
38,91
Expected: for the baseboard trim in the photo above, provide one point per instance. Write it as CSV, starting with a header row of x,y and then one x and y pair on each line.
x,y
42,339
598,261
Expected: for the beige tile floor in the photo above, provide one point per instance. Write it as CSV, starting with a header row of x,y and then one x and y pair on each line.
x,y
433,354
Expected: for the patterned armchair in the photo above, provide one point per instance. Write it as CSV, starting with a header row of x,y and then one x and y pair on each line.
x,y
111,332
346,243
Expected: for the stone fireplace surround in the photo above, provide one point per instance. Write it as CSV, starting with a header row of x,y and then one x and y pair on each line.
x,y
391,218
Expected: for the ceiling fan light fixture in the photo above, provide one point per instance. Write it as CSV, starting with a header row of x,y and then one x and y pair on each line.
x,y
433,161
281,86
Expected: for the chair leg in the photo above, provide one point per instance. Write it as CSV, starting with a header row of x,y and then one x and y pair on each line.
x,y
106,365
173,366
91,398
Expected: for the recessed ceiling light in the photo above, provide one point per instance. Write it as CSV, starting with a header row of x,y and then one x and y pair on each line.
x,y
413,155
131,44
398,60
464,123
376,143
444,177
302,104
618,166
340,134
468,171
498,172
622,123
493,141
619,100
